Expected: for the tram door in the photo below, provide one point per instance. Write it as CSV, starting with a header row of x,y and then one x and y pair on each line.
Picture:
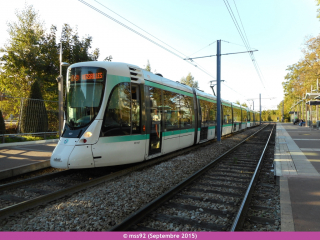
x,y
204,123
155,120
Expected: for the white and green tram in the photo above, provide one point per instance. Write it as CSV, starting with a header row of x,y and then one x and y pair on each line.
x,y
118,113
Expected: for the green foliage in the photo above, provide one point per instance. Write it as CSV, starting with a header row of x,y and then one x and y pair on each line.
x,y
29,138
2,124
21,54
189,80
148,67
244,105
34,115
302,76
108,59
270,115
318,10
32,55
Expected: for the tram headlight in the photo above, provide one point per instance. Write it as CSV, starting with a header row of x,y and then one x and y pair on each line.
x,y
87,134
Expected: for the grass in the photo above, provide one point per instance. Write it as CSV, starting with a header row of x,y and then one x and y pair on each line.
x,y
28,138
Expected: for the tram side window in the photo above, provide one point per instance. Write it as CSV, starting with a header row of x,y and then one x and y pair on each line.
x,y
155,104
171,107
208,113
251,117
244,116
204,113
227,114
236,114
117,120
135,111
186,112
212,114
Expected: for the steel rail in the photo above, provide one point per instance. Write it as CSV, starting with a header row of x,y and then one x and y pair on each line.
x,y
37,179
240,217
142,212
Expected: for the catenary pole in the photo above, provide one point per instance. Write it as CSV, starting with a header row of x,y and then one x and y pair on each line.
x,y
260,106
219,91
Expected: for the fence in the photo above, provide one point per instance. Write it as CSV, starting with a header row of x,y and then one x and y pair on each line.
x,y
24,116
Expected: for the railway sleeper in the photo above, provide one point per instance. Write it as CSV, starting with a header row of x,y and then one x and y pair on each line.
x,y
215,192
180,206
37,190
201,199
220,186
230,176
179,220
12,198
261,220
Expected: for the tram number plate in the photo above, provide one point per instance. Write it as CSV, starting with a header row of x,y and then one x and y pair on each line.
x,y
136,142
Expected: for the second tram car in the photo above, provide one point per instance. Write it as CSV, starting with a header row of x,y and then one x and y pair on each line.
x,y
117,113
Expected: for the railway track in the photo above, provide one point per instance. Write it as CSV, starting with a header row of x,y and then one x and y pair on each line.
x,y
216,198
264,210
20,196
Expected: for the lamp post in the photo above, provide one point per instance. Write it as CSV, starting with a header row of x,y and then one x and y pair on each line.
x,y
60,89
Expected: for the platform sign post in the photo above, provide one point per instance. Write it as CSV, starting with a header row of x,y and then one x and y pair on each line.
x,y
219,91
60,88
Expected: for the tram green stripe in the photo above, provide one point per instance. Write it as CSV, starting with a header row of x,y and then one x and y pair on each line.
x,y
227,125
157,85
176,132
226,104
206,99
123,138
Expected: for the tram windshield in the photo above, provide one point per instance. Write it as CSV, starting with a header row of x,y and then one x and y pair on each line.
x,y
85,87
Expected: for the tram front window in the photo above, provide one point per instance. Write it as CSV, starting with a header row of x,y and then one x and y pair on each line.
x,y
85,86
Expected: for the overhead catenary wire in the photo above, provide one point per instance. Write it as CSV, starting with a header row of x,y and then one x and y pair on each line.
x,y
244,40
202,48
245,34
138,27
150,40
143,36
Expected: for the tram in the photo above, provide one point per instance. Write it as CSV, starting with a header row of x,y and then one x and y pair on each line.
x,y
118,113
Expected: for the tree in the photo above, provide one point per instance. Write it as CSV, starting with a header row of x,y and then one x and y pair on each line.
x,y
148,67
244,105
33,55
21,54
303,75
189,80
34,115
2,124
318,10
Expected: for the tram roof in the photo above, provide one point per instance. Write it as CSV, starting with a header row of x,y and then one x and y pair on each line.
x,y
119,67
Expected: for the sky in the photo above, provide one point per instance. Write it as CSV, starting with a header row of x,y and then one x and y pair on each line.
x,y
277,29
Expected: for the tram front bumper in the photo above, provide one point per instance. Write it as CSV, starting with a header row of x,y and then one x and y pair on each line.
x,y
60,156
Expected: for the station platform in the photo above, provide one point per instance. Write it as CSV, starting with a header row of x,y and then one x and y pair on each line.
x,y
297,164
23,157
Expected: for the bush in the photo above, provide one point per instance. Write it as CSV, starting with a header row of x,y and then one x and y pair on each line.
x,y
34,115
2,124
